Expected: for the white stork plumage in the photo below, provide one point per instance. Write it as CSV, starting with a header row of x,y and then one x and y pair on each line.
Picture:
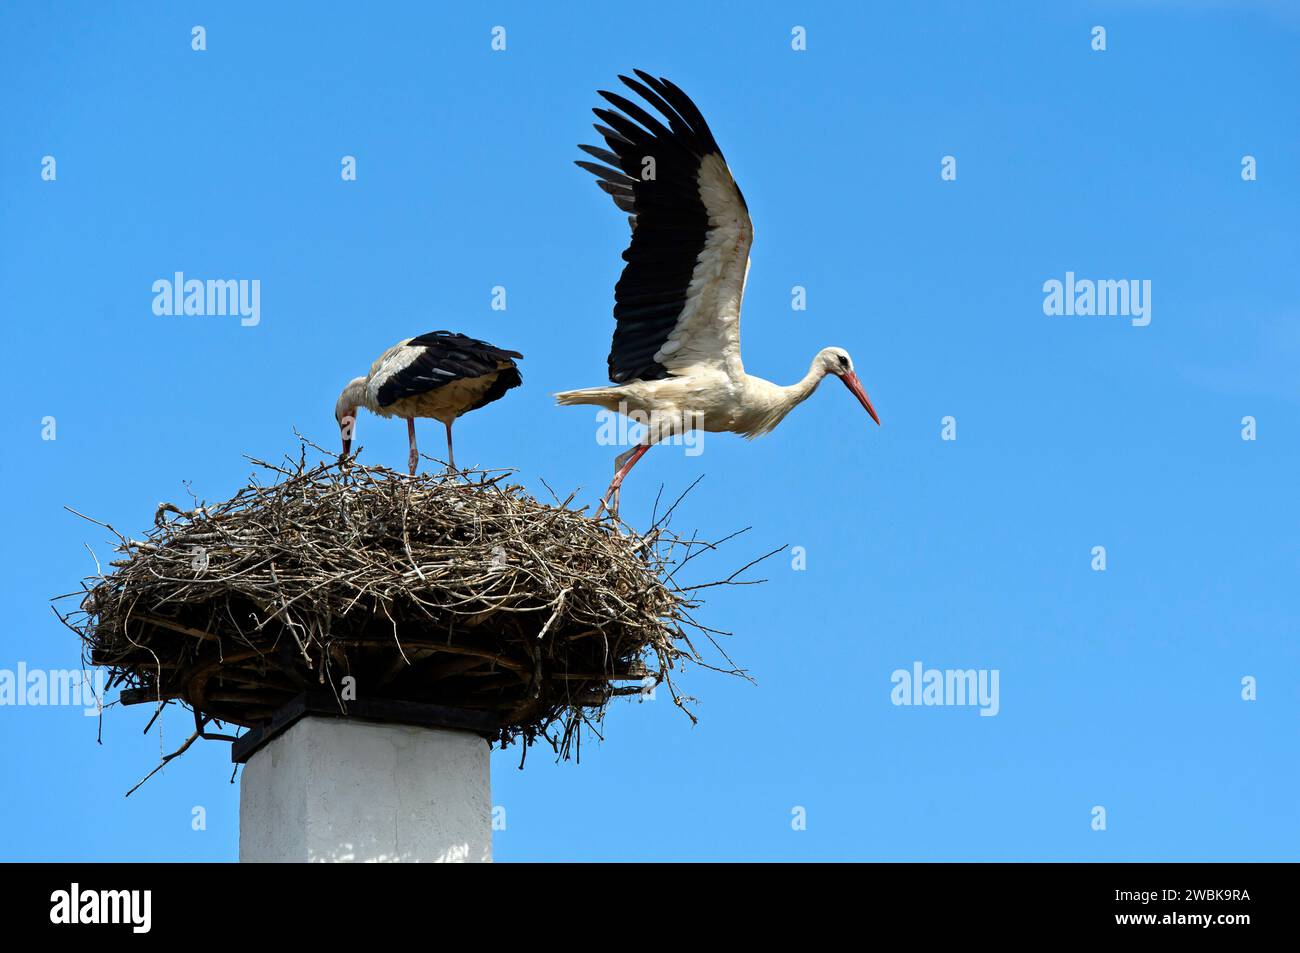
x,y
675,358
440,375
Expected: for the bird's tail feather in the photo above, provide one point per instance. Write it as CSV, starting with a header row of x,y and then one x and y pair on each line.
x,y
599,396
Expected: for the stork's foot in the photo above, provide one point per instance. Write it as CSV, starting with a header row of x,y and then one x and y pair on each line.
x,y
609,502
623,463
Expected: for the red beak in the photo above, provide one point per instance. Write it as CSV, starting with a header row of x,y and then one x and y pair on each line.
x,y
855,387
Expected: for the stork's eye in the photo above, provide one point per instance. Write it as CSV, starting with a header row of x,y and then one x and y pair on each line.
x,y
844,361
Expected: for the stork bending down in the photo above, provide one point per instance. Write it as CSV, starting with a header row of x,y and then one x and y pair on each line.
x,y
675,357
441,375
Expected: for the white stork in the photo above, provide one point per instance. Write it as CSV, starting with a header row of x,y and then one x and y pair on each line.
x,y
675,359
439,375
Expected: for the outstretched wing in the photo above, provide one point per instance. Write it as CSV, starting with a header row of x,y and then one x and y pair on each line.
x,y
677,304
419,365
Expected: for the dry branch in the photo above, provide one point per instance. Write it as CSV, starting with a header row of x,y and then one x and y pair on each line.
x,y
464,592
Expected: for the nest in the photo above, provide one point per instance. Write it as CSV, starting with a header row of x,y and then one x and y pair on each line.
x,y
460,591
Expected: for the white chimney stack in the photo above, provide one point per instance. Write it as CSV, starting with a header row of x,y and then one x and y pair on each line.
x,y
348,790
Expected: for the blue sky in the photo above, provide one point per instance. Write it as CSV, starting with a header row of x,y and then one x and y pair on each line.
x,y
1119,689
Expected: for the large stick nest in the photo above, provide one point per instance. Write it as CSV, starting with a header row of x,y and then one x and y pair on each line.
x,y
459,591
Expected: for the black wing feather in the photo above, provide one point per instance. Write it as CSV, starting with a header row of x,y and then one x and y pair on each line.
x,y
445,357
670,221
505,380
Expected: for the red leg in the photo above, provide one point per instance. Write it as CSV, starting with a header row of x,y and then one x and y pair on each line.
x,y
413,460
610,501
451,457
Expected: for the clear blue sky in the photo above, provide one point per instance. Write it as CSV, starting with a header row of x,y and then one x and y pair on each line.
x,y
1119,688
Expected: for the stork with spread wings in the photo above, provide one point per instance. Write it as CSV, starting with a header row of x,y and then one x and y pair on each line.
x,y
675,358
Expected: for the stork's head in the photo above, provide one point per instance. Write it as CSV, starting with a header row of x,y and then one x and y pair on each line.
x,y
345,411
836,360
